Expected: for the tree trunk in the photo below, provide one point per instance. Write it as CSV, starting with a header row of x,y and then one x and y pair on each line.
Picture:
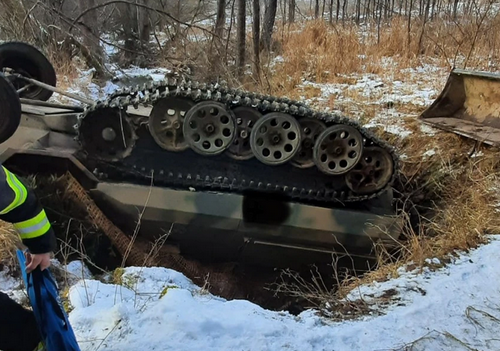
x,y
267,28
143,24
358,11
90,29
420,39
256,37
241,31
409,25
221,18
331,11
291,11
91,49
316,9
344,10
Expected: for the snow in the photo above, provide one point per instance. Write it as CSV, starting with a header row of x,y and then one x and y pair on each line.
x,y
430,152
441,307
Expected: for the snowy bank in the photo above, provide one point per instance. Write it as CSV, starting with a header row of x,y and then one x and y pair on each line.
x,y
160,309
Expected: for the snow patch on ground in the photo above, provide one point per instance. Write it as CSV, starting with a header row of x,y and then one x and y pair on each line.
x,y
440,307
429,153
391,121
12,287
388,95
84,87
158,308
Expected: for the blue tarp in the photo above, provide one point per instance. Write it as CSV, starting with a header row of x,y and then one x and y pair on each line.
x,y
52,320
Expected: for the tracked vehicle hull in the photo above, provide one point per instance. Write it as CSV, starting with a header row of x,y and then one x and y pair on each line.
x,y
213,226
230,175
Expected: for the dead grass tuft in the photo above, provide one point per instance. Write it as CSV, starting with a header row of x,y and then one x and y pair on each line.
x,y
10,242
454,197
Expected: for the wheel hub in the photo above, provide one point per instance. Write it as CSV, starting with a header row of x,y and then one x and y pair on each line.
x,y
166,120
209,128
338,149
246,118
372,173
275,138
108,134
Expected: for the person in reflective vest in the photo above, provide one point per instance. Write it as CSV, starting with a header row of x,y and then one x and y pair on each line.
x,y
20,206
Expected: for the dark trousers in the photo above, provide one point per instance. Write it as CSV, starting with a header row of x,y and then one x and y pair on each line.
x,y
18,329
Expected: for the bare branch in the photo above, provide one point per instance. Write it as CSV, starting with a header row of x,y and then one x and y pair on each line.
x,y
138,5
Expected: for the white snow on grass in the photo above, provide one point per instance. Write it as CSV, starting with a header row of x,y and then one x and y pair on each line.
x,y
160,309
395,95
441,307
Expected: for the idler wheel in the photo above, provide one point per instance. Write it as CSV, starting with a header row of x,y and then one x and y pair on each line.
x,y
166,121
107,134
338,149
246,117
372,173
311,130
209,128
275,138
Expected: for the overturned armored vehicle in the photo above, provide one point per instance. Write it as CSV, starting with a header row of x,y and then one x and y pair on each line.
x,y
233,176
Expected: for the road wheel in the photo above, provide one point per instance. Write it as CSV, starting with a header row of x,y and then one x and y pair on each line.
x,y
10,109
28,61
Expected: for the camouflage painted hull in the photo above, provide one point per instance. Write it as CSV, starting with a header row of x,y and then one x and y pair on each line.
x,y
214,226
234,173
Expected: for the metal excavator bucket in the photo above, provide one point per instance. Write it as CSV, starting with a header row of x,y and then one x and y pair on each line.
x,y
469,105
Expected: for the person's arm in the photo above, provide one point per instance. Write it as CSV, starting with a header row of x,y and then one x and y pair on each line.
x,y
20,206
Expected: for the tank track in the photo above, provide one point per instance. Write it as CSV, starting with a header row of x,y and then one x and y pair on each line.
x,y
132,92
320,187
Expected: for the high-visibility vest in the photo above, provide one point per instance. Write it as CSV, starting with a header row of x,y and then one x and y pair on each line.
x,y
19,206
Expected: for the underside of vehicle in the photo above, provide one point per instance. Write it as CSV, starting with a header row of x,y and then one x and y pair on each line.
x,y
230,175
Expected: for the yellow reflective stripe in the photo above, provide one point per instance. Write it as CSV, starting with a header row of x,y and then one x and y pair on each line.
x,y
33,227
20,191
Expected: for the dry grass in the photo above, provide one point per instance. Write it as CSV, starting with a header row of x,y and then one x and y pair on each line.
x,y
456,197
9,243
323,53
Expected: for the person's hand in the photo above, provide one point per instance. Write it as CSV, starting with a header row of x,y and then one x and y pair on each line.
x,y
35,260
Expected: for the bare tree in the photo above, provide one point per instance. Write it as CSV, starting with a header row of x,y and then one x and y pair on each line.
x,y
221,18
241,32
267,28
256,37
291,11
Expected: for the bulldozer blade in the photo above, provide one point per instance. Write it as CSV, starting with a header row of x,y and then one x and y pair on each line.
x,y
469,105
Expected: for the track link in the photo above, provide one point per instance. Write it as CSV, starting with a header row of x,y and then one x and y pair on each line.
x,y
314,186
